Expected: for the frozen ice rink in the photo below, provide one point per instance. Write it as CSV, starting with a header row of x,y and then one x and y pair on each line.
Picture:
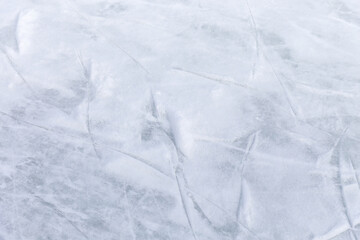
x,y
179,119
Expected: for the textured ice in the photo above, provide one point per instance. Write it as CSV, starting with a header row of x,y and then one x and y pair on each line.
x,y
179,119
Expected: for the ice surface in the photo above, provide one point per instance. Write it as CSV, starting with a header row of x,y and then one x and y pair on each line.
x,y
179,119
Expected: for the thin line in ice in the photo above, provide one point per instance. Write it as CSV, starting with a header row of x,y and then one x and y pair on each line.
x,y
249,147
87,76
216,79
61,214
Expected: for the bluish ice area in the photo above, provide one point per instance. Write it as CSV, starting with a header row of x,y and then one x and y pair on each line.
x,y
179,119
